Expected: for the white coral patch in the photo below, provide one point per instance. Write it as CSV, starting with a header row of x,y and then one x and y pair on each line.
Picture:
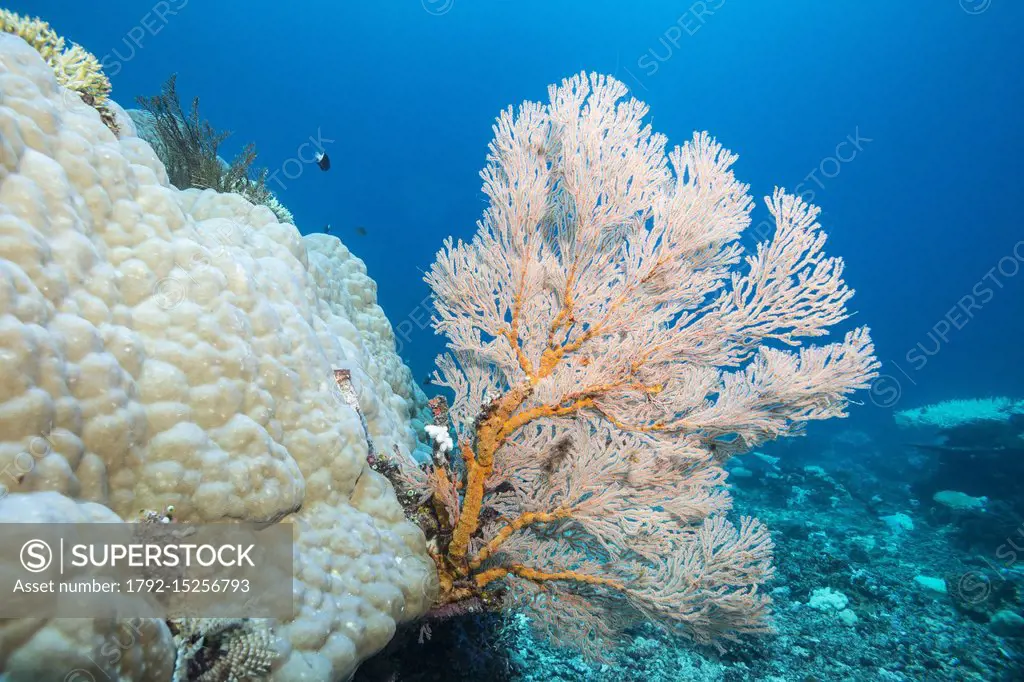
x,y
440,435
65,649
176,348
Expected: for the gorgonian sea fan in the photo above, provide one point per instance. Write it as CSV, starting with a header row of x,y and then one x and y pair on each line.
x,y
610,344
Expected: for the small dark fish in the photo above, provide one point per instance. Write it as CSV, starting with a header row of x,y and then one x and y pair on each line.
x,y
428,381
361,231
327,228
323,161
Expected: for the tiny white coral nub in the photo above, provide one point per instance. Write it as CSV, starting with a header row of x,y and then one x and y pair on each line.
x,y
441,438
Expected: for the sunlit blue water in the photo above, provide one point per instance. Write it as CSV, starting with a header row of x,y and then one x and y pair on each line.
x,y
407,92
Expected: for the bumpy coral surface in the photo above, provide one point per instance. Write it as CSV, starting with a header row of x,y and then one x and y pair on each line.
x,y
75,649
160,347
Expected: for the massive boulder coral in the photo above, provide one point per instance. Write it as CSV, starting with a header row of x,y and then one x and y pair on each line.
x,y
160,347
38,649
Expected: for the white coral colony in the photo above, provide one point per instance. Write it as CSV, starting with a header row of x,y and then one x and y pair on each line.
x,y
441,437
165,348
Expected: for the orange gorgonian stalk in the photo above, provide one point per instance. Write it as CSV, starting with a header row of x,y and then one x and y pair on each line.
x,y
610,346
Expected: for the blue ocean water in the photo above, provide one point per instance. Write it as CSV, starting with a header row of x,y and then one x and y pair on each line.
x,y
901,120
407,91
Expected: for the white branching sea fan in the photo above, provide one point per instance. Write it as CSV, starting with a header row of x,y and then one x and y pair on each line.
x,y
611,344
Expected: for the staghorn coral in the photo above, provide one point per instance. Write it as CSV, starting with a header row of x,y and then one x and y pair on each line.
x,y
188,146
76,68
164,348
607,354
